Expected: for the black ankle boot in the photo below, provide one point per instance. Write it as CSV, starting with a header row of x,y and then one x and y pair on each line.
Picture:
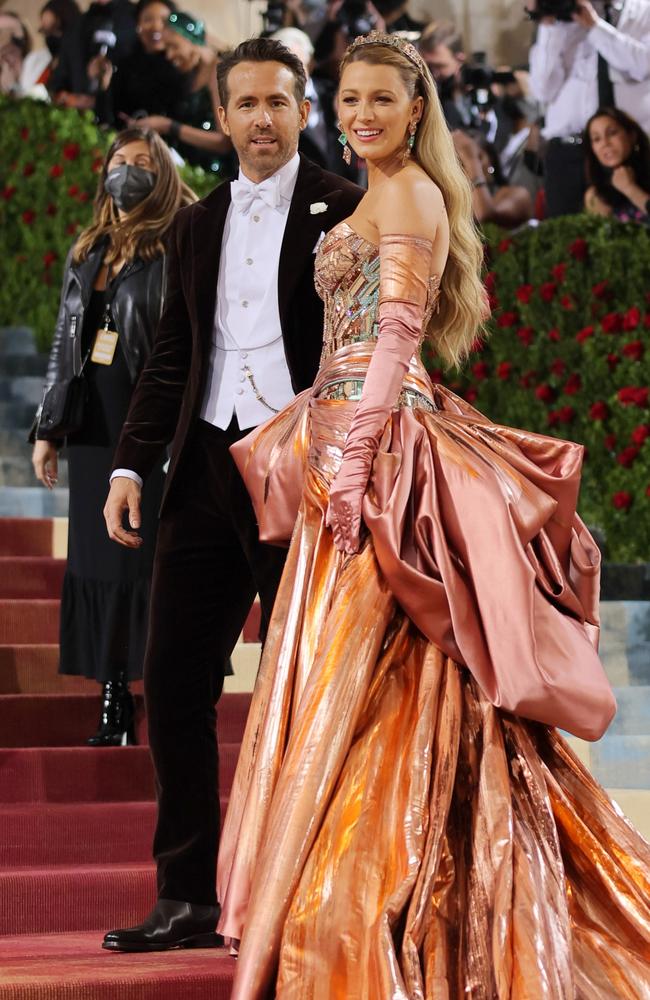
x,y
116,723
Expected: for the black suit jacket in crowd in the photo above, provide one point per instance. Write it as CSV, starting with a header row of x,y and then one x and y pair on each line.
x,y
167,399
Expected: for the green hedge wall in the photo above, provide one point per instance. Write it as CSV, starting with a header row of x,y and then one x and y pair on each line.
x,y
567,352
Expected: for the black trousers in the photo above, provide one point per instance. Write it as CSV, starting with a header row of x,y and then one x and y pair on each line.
x,y
209,564
564,178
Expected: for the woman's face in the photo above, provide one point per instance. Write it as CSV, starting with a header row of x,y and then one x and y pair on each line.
x,y
610,142
151,25
375,110
134,154
180,52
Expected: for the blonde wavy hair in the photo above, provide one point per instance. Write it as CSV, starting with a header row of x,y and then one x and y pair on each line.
x,y
142,232
463,304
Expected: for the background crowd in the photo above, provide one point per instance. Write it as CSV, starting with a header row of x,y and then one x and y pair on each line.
x,y
564,132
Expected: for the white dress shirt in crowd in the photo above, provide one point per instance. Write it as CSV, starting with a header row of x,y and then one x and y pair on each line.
x,y
564,68
247,351
247,335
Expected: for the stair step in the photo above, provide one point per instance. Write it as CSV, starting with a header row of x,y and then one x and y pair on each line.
x,y
89,774
32,668
17,415
621,761
22,389
25,536
34,577
75,898
66,720
27,621
33,501
14,443
17,340
74,965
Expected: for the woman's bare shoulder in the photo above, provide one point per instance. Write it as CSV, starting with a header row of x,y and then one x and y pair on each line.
x,y
411,204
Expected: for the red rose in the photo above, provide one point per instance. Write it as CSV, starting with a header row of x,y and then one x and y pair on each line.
x,y
573,384
633,395
24,133
640,433
28,169
579,249
599,411
8,192
601,289
97,166
525,334
84,196
71,150
612,323
503,370
554,335
73,190
480,370
613,360
71,228
524,293
527,379
56,170
476,346
507,319
504,245
627,457
49,258
609,441
633,350
490,281
622,500
471,394
28,216
547,291
567,302
558,367
553,418
493,302
544,392
566,414
51,209
632,318
646,321
584,334
559,272
647,491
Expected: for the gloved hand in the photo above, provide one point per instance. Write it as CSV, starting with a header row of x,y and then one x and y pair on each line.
x,y
405,263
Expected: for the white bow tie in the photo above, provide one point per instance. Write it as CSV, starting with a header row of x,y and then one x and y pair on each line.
x,y
244,192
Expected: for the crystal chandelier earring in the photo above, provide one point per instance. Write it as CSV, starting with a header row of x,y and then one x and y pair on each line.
x,y
343,139
410,143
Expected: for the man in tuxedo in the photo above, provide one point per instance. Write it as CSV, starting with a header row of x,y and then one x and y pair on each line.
x,y
240,335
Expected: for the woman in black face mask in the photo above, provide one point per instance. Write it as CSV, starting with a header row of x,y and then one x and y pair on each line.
x,y
56,17
110,306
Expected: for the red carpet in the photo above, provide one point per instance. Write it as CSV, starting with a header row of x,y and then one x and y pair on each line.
x,y
76,823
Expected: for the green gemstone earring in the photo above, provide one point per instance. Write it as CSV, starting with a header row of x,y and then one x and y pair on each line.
x,y
410,143
343,139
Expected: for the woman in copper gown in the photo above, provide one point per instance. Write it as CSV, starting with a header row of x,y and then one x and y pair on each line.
x,y
405,820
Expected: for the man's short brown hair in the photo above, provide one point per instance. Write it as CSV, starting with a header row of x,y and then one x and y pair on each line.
x,y
261,50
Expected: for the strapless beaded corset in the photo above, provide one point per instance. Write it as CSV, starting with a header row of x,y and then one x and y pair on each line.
x,y
347,280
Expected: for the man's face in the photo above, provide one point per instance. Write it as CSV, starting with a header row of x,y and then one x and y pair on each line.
x,y
263,117
443,63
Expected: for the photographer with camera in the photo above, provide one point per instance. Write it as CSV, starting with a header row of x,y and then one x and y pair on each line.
x,y
585,56
101,37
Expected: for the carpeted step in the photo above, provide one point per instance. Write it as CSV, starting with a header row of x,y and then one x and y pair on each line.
x,y
33,577
75,898
71,833
26,536
33,668
75,967
65,720
89,774
29,621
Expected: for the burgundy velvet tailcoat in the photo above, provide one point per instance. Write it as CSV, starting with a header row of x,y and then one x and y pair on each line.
x,y
167,399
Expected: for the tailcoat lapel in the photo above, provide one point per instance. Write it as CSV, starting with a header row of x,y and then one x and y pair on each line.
x,y
207,239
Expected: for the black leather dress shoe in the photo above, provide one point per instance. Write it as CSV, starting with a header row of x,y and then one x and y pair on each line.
x,y
171,924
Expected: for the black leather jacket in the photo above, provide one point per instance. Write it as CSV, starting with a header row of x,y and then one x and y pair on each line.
x,y
135,308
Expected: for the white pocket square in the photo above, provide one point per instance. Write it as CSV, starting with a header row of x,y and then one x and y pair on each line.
x,y
317,207
318,242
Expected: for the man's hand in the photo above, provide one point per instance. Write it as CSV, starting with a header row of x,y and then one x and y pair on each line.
x,y
45,460
100,68
585,14
124,495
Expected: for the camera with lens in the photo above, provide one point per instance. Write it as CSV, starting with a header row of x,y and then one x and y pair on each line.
x,y
477,78
561,10
355,16
104,40
273,16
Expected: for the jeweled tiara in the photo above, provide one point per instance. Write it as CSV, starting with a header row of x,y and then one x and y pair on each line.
x,y
394,42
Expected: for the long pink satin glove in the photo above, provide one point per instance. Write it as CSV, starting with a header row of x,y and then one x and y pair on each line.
x,y
405,264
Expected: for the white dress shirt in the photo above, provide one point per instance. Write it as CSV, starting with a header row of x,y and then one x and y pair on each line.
x,y
247,351
247,335
564,68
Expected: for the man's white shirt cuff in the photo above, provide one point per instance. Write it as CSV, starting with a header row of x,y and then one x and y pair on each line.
x,y
127,474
